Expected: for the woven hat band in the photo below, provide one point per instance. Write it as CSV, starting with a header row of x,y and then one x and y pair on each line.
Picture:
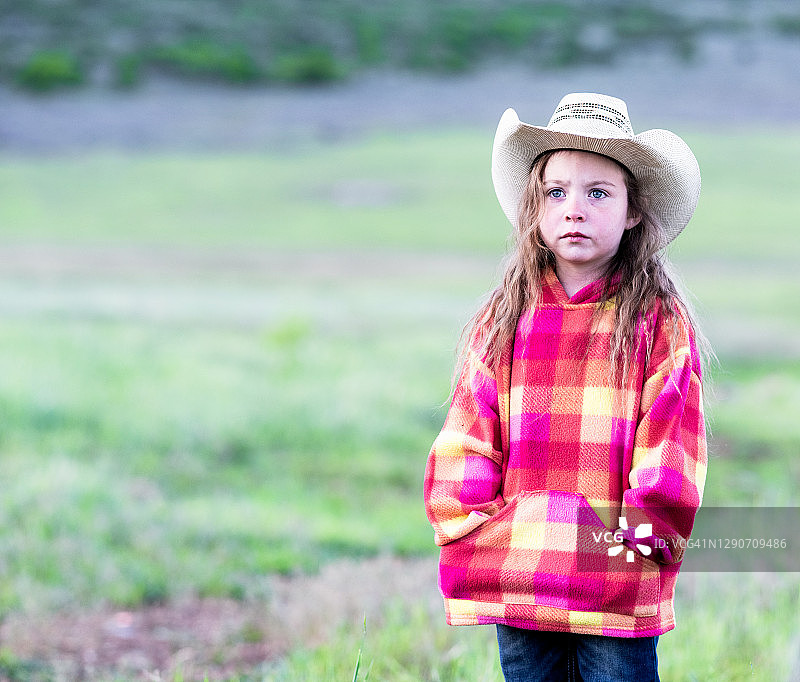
x,y
606,118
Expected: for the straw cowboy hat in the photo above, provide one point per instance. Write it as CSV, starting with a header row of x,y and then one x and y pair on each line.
x,y
661,161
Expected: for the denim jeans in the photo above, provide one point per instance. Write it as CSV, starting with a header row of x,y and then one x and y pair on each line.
x,y
532,656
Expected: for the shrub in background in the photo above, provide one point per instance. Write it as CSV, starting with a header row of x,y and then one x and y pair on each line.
x,y
312,65
127,71
787,24
48,70
206,59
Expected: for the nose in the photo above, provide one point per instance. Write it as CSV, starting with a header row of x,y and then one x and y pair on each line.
x,y
574,211
575,215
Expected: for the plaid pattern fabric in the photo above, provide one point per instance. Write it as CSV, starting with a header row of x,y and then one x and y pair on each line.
x,y
542,453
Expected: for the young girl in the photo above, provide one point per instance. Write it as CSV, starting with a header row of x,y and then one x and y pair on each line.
x,y
564,483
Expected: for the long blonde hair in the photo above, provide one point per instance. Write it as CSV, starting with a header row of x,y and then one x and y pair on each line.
x,y
637,277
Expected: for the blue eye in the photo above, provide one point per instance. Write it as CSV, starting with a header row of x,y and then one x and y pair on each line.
x,y
556,193
597,194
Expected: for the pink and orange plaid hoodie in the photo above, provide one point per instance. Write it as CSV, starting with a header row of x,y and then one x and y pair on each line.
x,y
543,456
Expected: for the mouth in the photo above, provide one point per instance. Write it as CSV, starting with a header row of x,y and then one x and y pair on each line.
x,y
574,236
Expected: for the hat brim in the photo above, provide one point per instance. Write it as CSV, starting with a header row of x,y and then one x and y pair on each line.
x,y
662,162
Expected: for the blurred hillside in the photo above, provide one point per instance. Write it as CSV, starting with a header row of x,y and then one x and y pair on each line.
x,y
51,44
218,74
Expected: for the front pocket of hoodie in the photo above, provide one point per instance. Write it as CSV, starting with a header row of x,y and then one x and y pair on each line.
x,y
548,548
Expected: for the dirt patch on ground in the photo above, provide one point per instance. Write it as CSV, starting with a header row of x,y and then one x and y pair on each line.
x,y
210,637
214,638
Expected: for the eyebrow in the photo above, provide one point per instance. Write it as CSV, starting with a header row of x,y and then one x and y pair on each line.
x,y
593,183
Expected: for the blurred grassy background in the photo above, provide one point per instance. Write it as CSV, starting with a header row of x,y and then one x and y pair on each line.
x,y
216,368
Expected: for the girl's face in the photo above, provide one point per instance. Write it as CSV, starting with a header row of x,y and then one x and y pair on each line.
x,y
585,212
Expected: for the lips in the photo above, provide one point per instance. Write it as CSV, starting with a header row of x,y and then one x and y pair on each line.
x,y
574,235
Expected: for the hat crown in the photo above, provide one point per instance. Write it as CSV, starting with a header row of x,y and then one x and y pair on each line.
x,y
592,115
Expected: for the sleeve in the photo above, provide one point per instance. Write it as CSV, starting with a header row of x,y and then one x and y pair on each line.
x,y
464,469
668,468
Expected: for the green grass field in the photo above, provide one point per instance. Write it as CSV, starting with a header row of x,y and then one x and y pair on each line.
x,y
218,368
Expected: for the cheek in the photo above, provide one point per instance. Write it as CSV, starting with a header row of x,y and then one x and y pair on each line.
x,y
620,219
548,224
550,215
